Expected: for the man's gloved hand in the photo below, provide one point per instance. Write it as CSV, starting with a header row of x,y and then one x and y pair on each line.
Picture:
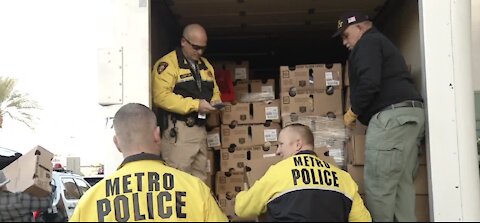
x,y
349,118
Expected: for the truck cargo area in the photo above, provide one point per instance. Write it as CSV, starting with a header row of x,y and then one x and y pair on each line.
x,y
266,33
433,36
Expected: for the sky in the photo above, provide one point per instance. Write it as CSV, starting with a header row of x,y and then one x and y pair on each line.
x,y
50,47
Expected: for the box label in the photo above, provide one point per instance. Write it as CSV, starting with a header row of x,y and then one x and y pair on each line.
x,y
332,83
267,89
271,113
270,135
329,81
213,140
241,73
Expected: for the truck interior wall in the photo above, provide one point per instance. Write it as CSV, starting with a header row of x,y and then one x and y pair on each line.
x,y
164,31
265,53
399,21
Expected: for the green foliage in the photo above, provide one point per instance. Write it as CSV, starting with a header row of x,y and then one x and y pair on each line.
x,y
16,104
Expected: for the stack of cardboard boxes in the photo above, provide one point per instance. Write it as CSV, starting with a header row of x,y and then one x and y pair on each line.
x,y
245,137
312,95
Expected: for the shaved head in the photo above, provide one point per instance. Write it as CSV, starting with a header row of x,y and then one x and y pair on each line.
x,y
300,131
194,41
293,138
135,128
194,32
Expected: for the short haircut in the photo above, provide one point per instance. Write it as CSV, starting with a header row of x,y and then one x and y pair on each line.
x,y
303,131
133,123
190,29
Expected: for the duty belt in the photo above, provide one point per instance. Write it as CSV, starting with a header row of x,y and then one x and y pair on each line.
x,y
403,104
190,120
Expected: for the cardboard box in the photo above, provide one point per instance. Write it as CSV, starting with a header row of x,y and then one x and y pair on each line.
x,y
315,122
310,77
346,79
255,89
323,154
356,150
213,119
245,136
210,182
357,174
211,170
421,181
259,167
235,159
317,102
359,129
422,209
239,69
255,160
31,173
228,207
346,96
422,154
228,184
213,139
251,113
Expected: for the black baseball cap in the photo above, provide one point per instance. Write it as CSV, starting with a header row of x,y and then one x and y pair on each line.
x,y
348,19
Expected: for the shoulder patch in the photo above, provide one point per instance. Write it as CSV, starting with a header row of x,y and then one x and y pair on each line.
x,y
161,67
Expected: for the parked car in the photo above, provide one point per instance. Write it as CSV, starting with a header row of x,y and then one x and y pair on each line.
x,y
68,189
7,156
92,180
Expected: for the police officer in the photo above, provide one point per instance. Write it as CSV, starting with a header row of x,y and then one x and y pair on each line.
x,y
302,187
383,97
143,188
184,89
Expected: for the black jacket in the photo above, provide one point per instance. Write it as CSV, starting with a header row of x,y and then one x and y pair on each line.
x,y
378,76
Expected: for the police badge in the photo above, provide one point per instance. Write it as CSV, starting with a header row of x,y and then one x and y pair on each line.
x,y
161,67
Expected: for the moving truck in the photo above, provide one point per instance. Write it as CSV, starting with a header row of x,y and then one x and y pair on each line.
x,y
434,36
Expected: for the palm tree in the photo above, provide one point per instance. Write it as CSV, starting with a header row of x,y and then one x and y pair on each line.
x,y
15,104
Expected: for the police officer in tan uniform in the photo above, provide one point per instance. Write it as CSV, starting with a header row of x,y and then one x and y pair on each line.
x,y
184,91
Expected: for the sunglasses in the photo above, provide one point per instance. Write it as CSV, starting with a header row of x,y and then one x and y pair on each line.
x,y
195,47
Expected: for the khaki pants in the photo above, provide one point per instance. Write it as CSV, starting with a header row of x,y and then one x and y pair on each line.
x,y
189,152
391,163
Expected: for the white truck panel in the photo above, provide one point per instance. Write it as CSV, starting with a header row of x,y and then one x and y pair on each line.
x,y
476,44
132,35
452,156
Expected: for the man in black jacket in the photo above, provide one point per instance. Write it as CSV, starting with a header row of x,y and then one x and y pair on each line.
x,y
383,96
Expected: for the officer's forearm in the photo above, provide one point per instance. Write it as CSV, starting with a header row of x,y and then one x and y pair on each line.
x,y
176,103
